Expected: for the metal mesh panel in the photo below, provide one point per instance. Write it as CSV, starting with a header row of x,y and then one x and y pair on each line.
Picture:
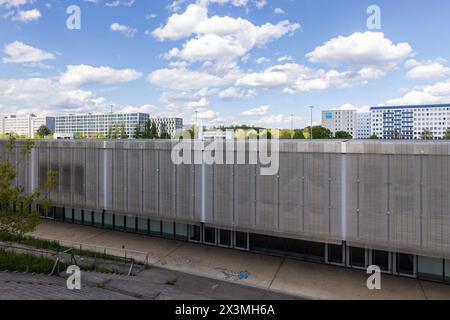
x,y
150,173
168,172
185,191
120,178
222,188
291,192
78,176
244,195
134,180
266,201
92,177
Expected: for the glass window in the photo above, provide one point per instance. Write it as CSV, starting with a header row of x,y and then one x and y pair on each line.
x,y
315,251
194,233
59,213
357,257
381,259
405,264
78,216
131,224
295,248
155,227
258,242
210,235
225,238
335,254
108,220
167,229
68,215
181,231
119,222
142,225
430,268
98,219
241,240
87,217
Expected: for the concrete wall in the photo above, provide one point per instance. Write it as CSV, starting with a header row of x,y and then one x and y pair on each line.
x,y
382,195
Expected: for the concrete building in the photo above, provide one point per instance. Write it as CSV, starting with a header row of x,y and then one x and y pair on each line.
x,y
167,124
351,204
340,120
90,125
363,125
26,126
409,122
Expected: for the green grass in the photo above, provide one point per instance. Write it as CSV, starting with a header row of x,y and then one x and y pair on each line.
x,y
54,246
13,261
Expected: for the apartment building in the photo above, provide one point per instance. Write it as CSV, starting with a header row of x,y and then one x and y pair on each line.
x,y
410,122
90,125
26,126
340,120
167,124
363,125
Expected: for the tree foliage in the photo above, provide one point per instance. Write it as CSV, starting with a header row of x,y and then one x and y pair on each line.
x,y
16,214
426,135
43,131
342,135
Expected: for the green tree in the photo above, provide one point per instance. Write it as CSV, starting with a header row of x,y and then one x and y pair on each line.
x,y
374,137
137,132
43,131
426,135
343,135
16,216
286,134
319,132
298,134
447,135
193,132
122,133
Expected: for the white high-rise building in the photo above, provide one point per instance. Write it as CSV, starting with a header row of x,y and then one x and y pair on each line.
x,y
410,122
363,125
167,124
26,126
340,120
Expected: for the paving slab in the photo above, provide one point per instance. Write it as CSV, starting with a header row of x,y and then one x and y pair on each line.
x,y
279,275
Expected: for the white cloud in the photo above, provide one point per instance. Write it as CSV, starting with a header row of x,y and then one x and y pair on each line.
x,y
361,49
285,58
256,111
217,38
294,78
125,30
19,52
146,108
262,60
236,93
185,79
27,16
426,69
278,11
207,114
118,3
436,93
260,3
40,96
349,106
80,75
13,3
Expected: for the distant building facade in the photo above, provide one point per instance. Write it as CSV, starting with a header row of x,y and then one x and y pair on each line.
x,y
26,126
363,125
167,124
90,125
340,120
410,122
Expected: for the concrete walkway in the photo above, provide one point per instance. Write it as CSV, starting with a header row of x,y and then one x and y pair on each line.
x,y
287,276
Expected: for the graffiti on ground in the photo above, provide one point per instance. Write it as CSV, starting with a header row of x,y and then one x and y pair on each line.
x,y
233,275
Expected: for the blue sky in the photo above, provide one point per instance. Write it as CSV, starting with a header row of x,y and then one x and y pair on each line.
x,y
234,61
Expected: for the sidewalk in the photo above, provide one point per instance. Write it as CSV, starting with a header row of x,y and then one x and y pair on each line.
x,y
287,276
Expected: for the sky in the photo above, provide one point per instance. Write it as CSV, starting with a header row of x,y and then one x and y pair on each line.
x,y
258,62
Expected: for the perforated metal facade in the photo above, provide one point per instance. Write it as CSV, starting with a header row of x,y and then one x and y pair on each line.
x,y
383,195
